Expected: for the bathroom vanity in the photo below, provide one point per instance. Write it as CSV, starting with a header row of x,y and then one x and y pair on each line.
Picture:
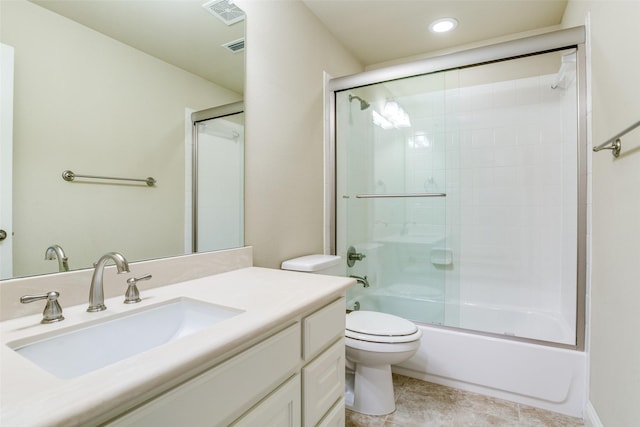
x,y
278,360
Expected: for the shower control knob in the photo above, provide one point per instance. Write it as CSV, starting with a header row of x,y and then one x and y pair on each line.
x,y
353,256
357,257
3,235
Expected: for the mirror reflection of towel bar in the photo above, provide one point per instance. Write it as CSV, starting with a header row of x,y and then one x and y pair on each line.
x,y
70,176
383,196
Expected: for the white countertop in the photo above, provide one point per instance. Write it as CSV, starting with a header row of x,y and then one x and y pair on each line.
x,y
31,396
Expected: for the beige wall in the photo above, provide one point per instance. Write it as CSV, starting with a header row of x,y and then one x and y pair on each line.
x,y
284,168
88,103
614,346
287,51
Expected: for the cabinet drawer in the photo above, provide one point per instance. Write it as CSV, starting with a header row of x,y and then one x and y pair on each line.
x,y
322,327
280,409
323,383
224,392
336,416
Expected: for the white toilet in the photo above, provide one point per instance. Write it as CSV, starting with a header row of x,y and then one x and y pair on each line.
x,y
374,341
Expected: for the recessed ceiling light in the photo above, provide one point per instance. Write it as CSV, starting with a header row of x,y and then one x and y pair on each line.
x,y
443,25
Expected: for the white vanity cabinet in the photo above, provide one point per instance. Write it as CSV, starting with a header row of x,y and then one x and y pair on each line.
x,y
323,372
292,377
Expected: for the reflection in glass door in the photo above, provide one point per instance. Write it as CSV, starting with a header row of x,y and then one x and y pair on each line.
x,y
219,182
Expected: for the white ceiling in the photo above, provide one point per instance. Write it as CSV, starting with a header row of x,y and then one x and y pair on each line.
x,y
378,31
183,33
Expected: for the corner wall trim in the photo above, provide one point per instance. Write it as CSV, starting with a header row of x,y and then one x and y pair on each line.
x,y
591,418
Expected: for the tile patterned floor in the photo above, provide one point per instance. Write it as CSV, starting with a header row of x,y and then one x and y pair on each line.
x,y
423,404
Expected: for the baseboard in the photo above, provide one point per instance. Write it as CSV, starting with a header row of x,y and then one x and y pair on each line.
x,y
591,418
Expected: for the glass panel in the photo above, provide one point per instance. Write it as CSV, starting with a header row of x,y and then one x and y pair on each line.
x,y
391,145
220,183
516,174
498,254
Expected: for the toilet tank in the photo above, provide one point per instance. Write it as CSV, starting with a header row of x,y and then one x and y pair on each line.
x,y
318,264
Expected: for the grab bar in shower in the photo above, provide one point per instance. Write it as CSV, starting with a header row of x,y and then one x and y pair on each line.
x,y
387,196
70,176
614,144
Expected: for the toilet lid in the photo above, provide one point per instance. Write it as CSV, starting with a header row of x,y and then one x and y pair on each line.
x,y
379,324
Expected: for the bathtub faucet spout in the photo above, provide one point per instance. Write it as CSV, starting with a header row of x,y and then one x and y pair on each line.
x,y
362,280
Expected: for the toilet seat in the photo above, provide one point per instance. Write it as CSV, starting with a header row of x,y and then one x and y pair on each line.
x,y
373,326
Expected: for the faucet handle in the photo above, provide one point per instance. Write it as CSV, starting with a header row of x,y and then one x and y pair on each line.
x,y
132,295
52,311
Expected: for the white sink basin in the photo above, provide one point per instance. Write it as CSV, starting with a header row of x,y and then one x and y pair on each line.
x,y
79,351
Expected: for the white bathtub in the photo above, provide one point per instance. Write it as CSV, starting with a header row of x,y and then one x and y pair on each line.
x,y
537,375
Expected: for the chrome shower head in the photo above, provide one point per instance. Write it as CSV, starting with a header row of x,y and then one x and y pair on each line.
x,y
363,104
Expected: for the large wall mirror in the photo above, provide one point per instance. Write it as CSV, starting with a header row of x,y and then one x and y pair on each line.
x,y
107,88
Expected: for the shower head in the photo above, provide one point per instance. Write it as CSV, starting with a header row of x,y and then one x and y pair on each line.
x,y
363,104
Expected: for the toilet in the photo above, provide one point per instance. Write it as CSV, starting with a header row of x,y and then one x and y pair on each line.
x,y
374,341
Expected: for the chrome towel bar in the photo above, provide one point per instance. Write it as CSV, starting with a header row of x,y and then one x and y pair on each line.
x,y
614,144
386,196
70,176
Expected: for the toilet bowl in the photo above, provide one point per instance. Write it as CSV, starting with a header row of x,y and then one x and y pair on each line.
x,y
374,341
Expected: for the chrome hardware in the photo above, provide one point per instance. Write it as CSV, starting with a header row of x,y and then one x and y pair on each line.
x,y
52,311
615,147
70,176
3,235
353,256
132,295
361,280
356,306
616,143
54,252
96,293
399,195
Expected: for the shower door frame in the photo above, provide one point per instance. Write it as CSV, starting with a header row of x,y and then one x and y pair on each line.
x,y
196,118
548,42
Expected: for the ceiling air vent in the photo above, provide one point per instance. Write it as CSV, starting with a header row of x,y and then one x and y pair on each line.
x,y
225,10
235,46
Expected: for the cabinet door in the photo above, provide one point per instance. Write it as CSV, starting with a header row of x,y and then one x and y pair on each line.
x,y
279,409
323,383
322,327
224,392
336,416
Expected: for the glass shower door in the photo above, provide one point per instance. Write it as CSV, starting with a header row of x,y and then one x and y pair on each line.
x,y
391,196
497,254
219,183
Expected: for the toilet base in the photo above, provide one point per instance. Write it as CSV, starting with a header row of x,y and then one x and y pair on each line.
x,y
369,390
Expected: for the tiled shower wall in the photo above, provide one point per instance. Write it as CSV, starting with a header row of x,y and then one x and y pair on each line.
x,y
505,154
516,160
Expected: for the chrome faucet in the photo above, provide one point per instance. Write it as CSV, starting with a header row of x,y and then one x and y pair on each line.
x,y
54,252
361,280
96,293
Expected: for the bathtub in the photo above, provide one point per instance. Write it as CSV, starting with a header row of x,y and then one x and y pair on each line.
x,y
542,376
